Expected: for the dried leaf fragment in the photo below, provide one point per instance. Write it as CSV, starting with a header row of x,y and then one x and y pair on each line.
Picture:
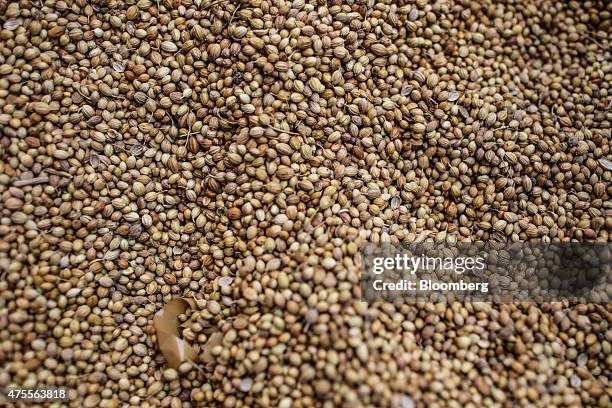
x,y
118,66
174,349
215,339
606,164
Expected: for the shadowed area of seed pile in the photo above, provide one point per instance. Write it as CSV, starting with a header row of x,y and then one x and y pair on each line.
x,y
239,154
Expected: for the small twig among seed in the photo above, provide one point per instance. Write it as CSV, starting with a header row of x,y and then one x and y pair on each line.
x,y
233,15
31,182
284,131
600,45
58,173
214,3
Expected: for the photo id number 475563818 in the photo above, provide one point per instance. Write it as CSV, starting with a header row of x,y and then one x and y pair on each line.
x,y
34,394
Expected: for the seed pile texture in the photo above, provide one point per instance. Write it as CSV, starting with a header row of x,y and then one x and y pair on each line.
x,y
241,153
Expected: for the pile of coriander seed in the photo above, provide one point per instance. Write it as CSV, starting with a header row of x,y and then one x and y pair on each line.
x,y
240,154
